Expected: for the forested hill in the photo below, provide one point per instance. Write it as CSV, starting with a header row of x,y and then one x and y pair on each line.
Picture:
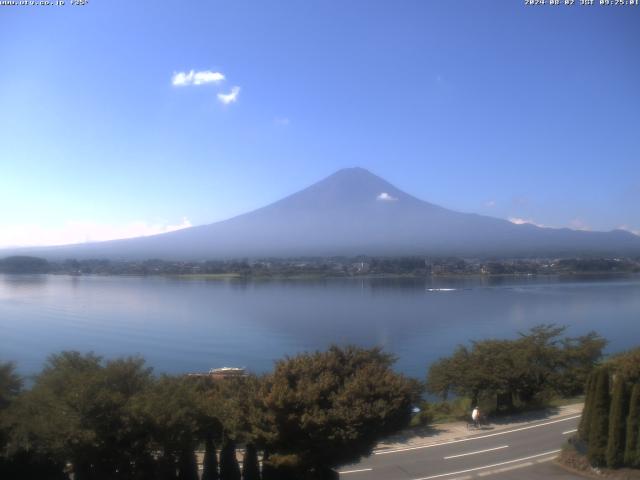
x,y
24,264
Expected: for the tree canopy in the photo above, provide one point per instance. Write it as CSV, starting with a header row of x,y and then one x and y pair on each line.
x,y
539,362
329,408
115,419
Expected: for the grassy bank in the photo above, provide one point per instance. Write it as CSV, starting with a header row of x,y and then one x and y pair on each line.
x,y
459,409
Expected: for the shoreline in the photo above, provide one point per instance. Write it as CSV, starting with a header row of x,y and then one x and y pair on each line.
x,y
312,276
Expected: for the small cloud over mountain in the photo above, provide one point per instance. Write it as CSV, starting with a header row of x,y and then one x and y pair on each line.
x,y
579,224
523,221
385,197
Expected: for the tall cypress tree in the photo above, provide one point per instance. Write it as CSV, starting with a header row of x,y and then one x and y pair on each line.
x,y
268,470
617,417
599,424
229,468
250,467
82,471
585,420
187,465
632,446
166,467
145,467
210,462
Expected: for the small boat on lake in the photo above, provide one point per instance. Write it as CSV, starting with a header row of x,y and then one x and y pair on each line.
x,y
223,372
228,372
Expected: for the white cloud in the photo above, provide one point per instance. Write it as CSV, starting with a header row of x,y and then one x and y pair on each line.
x,y
385,197
523,221
230,97
578,224
183,79
490,203
27,235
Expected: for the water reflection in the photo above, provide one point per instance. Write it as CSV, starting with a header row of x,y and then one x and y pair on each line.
x,y
25,281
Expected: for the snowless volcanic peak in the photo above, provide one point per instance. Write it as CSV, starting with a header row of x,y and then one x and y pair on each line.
x,y
354,212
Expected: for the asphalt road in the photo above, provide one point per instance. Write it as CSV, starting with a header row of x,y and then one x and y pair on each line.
x,y
522,452
546,470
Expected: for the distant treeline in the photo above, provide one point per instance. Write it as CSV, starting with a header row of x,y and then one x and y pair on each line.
x,y
325,267
103,420
24,264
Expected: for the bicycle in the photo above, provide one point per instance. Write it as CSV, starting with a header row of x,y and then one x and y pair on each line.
x,y
482,421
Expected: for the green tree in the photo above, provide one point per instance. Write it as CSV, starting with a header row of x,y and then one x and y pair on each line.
x,y
627,364
167,467
168,412
459,374
451,374
585,419
187,465
540,358
28,464
250,467
599,428
210,461
78,410
632,446
231,407
579,356
529,369
10,387
146,467
617,430
10,384
329,408
229,468
16,461
439,379
268,470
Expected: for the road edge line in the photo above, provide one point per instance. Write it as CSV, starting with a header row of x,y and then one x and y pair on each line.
x,y
468,439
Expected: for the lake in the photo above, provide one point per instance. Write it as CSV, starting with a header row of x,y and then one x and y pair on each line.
x,y
183,325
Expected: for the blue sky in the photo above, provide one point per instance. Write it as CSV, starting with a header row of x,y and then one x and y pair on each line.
x,y
528,113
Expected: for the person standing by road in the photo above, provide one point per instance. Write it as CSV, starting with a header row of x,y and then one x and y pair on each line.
x,y
475,416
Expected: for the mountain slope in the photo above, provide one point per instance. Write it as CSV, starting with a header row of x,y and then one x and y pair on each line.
x,y
355,212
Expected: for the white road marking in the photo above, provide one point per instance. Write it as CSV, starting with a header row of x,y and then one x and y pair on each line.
x,y
479,451
406,449
570,431
505,469
548,459
355,471
489,466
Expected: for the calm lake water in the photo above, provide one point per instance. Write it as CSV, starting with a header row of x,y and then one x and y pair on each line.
x,y
192,325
